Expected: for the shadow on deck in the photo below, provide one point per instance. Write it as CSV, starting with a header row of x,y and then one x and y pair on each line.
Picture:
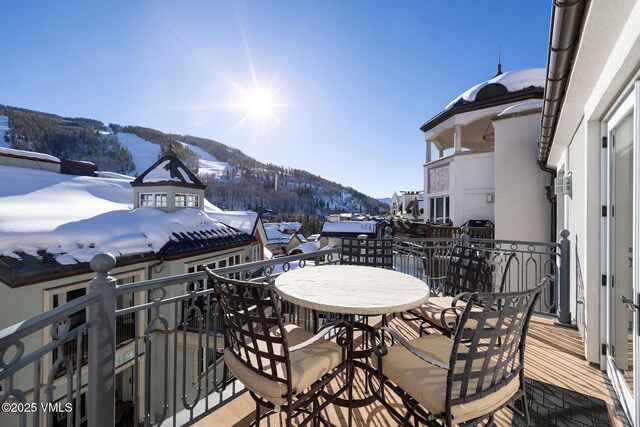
x,y
554,355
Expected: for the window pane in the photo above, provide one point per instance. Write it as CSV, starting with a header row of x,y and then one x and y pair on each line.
x,y
161,200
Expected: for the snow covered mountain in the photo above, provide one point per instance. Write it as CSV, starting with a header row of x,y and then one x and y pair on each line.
x,y
235,181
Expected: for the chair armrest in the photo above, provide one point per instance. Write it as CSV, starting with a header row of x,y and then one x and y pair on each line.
x,y
457,311
336,324
458,297
380,349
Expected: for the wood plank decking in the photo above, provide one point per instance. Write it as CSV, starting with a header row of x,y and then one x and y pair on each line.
x,y
554,355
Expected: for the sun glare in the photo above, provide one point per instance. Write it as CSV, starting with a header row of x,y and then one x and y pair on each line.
x,y
261,104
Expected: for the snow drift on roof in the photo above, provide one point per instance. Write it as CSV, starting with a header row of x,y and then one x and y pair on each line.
x,y
122,232
275,236
241,220
78,216
365,227
307,247
162,173
511,80
28,155
523,106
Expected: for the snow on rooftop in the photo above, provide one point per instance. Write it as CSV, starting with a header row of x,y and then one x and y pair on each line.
x,y
306,247
4,128
275,236
78,216
41,201
365,227
241,220
162,173
106,174
28,154
512,80
522,107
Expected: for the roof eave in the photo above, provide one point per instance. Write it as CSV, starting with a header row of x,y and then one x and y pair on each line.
x,y
521,95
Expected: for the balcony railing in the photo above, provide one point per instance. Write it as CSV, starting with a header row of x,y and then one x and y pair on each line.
x,y
71,349
175,352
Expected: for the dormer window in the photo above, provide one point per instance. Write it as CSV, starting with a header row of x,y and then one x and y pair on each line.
x,y
187,201
157,200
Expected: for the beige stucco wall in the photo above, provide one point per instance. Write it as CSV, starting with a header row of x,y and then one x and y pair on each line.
x,y
521,208
470,180
606,64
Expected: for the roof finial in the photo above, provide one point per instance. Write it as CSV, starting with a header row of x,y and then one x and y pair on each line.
x,y
171,152
499,64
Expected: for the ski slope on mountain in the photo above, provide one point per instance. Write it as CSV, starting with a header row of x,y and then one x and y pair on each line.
x,y
208,164
4,128
144,153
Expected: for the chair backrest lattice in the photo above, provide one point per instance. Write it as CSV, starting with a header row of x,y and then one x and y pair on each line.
x,y
489,355
367,252
475,270
253,326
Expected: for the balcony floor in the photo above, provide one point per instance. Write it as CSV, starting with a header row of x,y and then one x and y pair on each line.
x,y
554,355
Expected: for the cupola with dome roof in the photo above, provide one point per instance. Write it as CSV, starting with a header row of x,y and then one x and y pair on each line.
x,y
481,144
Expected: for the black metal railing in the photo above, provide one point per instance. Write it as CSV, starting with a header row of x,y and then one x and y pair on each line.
x,y
178,328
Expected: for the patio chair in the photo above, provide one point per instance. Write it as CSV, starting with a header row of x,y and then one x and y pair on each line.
x,y
462,380
284,367
367,252
469,270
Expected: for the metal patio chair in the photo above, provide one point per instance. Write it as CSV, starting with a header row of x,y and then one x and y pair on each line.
x,y
367,252
284,367
461,380
469,270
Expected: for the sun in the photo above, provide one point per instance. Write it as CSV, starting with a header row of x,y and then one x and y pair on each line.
x,y
261,103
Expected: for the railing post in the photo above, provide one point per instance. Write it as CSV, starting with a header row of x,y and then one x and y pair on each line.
x,y
563,282
465,235
102,344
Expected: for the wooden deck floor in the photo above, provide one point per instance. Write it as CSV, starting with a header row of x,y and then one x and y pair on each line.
x,y
554,355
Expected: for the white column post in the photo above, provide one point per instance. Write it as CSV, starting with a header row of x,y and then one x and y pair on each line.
x,y
428,141
457,138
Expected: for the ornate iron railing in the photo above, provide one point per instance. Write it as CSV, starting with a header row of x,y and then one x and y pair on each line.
x,y
172,340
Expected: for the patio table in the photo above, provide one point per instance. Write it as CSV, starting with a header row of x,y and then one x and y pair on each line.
x,y
352,291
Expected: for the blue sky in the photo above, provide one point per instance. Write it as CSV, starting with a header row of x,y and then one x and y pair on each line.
x,y
349,82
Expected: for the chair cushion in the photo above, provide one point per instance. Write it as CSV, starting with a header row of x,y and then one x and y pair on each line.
x,y
432,309
427,383
308,365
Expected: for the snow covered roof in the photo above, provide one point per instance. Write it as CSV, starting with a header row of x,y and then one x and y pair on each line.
x,y
512,81
32,155
284,227
522,107
348,227
242,220
169,169
290,226
305,248
51,222
512,86
275,236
